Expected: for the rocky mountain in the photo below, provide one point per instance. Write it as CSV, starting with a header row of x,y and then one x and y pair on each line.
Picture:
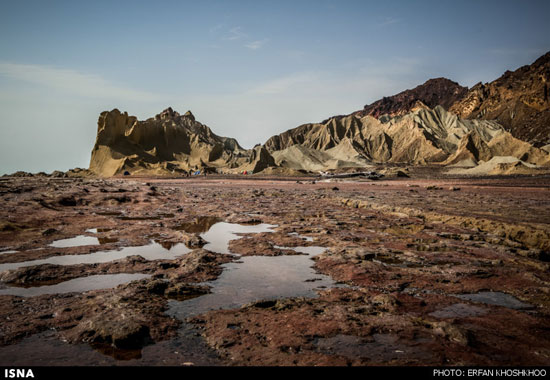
x,y
519,100
434,92
438,122
423,136
167,143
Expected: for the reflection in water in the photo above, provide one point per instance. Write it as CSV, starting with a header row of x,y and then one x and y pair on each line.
x,y
76,241
201,224
459,310
219,235
153,251
10,251
375,348
166,244
312,251
251,279
305,238
496,298
256,278
82,284
106,240
46,349
117,353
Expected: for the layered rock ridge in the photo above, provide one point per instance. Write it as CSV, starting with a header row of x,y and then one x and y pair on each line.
x,y
167,143
423,136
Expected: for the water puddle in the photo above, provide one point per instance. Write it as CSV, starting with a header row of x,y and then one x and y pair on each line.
x,y
250,279
219,234
98,230
76,241
376,348
10,251
255,278
313,251
496,298
153,251
82,284
48,349
459,310
305,238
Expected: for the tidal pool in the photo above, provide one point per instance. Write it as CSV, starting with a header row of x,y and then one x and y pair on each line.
x,y
153,251
76,241
255,278
82,284
496,298
219,234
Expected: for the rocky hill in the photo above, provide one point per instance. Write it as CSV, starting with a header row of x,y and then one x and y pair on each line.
x,y
167,143
423,136
434,92
438,122
519,100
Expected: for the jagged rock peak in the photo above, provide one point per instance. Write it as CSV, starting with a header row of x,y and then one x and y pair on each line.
x,y
168,113
167,143
189,115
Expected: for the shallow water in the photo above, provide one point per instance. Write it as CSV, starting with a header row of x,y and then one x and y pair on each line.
x,y
82,284
48,349
250,279
459,310
375,348
153,251
253,278
76,241
219,234
256,278
200,224
10,251
313,251
496,298
305,238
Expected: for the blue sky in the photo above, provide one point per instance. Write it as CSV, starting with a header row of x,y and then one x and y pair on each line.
x,y
247,69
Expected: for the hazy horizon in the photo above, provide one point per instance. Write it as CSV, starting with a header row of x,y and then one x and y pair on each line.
x,y
247,69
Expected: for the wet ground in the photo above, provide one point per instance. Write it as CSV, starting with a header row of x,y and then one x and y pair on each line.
x,y
222,271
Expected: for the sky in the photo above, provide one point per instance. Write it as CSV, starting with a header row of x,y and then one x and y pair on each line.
x,y
247,69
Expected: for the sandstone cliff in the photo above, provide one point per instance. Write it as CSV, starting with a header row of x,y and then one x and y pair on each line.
x,y
168,143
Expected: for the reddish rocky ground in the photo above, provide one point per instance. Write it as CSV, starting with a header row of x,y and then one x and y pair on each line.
x,y
437,271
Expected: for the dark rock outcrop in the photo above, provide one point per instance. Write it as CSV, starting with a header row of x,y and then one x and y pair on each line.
x,y
518,100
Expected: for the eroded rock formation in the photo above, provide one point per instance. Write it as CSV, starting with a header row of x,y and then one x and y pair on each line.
x,y
167,143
